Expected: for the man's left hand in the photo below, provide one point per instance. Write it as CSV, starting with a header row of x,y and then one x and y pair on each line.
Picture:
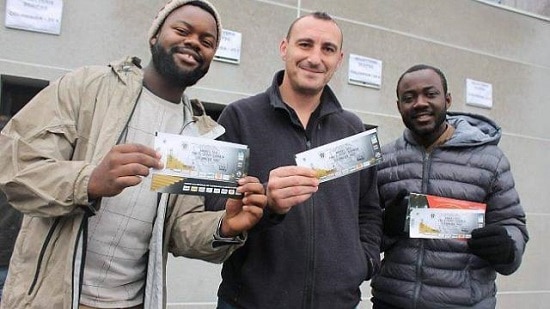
x,y
242,214
493,244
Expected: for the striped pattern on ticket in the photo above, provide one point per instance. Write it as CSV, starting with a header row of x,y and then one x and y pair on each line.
x,y
342,157
199,166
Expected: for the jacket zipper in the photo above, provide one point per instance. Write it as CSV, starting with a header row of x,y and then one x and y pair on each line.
x,y
41,256
426,165
83,230
123,133
425,171
310,273
419,263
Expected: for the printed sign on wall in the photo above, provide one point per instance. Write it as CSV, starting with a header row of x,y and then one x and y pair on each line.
x,y
35,15
479,94
365,71
230,47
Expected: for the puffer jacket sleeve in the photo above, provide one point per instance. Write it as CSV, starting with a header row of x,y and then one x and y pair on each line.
x,y
191,230
370,220
504,208
388,190
36,147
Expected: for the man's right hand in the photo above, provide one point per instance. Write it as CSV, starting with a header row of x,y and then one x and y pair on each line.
x,y
288,186
395,213
122,167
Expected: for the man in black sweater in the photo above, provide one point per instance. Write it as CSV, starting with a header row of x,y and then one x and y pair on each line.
x,y
317,242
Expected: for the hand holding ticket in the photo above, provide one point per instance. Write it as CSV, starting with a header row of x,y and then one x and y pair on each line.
x,y
289,186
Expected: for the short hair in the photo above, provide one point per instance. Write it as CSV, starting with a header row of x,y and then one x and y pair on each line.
x,y
317,15
419,67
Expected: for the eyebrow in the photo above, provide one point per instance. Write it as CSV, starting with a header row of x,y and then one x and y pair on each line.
x,y
331,45
423,88
409,91
309,40
190,26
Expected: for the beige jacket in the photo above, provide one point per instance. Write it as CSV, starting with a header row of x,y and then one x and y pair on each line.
x,y
48,152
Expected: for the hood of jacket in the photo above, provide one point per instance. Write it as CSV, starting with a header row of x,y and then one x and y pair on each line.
x,y
470,130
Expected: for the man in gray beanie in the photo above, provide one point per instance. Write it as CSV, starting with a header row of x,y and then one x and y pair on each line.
x,y
75,161
174,4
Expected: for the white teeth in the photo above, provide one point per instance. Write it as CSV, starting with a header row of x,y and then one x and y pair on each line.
x,y
187,57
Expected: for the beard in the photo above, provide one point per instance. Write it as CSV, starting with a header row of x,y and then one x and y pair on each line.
x,y
427,130
166,66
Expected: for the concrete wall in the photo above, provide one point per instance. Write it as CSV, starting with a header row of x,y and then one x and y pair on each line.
x,y
465,38
539,7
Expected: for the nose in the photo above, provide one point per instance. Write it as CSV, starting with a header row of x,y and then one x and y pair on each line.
x,y
420,102
314,57
192,40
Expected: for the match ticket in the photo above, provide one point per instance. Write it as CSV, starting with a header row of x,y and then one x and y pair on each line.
x,y
343,157
199,166
441,218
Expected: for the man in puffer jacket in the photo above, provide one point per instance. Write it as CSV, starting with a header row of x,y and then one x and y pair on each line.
x,y
451,155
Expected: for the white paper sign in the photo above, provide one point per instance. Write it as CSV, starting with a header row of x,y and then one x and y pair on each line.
x,y
35,15
365,71
479,93
230,47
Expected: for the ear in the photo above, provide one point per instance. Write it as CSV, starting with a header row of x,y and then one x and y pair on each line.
x,y
448,100
398,106
341,58
282,49
153,40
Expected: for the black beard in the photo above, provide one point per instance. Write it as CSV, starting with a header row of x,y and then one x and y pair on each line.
x,y
430,131
165,65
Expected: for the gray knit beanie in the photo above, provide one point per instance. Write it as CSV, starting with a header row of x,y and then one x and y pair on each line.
x,y
171,5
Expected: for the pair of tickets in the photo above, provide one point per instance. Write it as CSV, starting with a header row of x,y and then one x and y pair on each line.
x,y
200,166
437,217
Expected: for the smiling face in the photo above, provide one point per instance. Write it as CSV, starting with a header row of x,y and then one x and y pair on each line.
x,y
185,45
312,53
423,104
